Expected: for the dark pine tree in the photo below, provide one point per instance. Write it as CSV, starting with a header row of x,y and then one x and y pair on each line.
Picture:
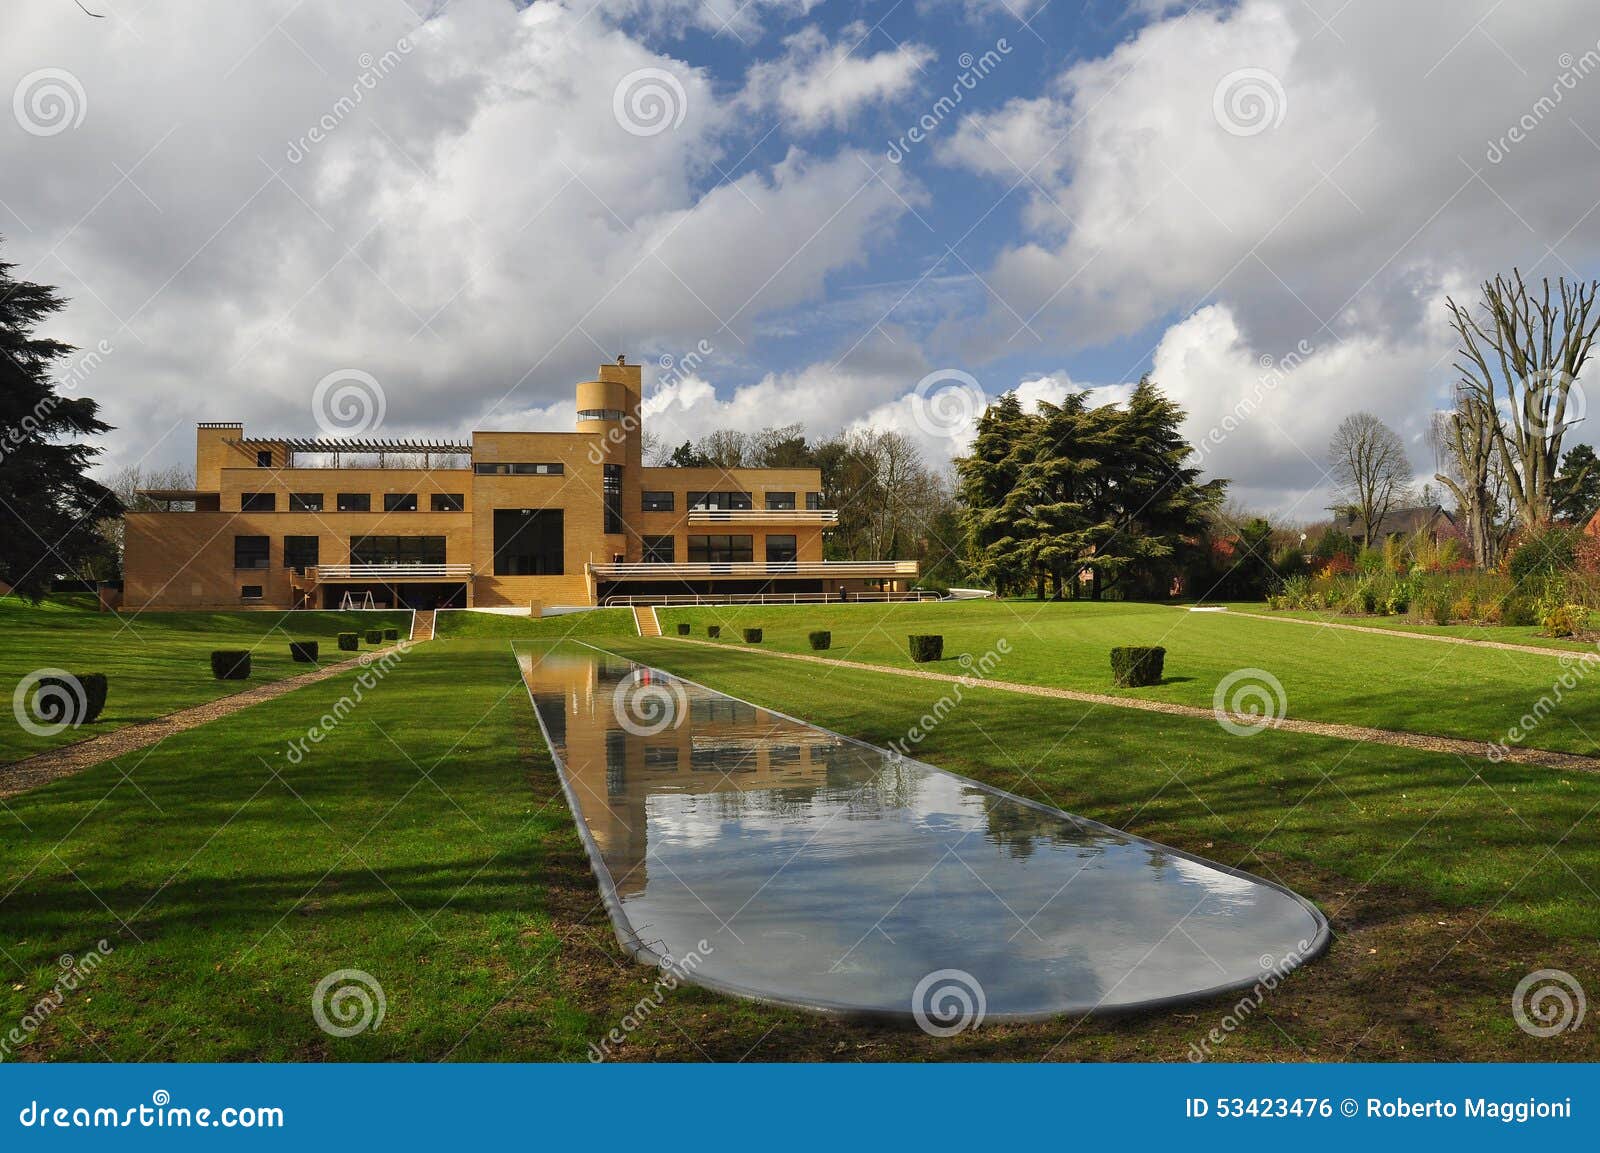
x,y
49,507
986,481
1575,492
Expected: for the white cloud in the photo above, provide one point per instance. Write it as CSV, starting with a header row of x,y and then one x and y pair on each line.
x,y
819,83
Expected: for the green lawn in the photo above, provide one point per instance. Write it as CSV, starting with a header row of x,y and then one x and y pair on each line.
x,y
1328,675
426,842
155,663
1506,634
593,623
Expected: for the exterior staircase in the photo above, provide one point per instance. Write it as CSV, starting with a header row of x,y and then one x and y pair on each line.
x,y
644,619
422,626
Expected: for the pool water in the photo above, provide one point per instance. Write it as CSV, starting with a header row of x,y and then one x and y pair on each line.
x,y
756,854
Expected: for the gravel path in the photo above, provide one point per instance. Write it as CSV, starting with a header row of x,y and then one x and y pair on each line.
x,y
41,768
1461,748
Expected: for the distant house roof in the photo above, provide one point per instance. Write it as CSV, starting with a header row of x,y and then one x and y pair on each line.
x,y
1401,521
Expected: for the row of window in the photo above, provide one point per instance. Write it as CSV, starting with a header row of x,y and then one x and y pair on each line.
x,y
725,501
719,548
302,552
503,468
351,502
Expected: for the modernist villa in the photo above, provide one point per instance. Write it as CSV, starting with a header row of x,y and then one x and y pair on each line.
x,y
509,519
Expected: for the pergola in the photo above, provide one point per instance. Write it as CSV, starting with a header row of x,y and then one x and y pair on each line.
x,y
335,446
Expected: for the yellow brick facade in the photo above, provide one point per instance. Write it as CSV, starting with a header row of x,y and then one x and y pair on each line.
x,y
253,487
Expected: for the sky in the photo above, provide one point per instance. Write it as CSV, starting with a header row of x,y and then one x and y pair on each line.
x,y
393,218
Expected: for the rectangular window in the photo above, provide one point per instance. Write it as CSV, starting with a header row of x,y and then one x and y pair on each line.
x,y
781,549
258,502
611,497
305,502
658,550
503,468
661,756
813,501
355,502
399,502
264,458
251,552
528,542
657,502
449,502
721,549
250,593
300,552
720,500
780,500
397,550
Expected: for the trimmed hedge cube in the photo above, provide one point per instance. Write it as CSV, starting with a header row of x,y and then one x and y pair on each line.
x,y
752,636
1137,665
77,699
374,636
926,647
820,639
713,630
391,634
230,664
303,651
683,628
349,642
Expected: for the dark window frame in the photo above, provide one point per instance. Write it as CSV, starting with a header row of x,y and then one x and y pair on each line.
x,y
449,502
357,502
652,501
793,548
245,593
780,501
722,500
399,502
721,548
294,555
537,563
519,468
652,548
611,498
303,501
814,502
398,549
247,556
263,458
258,502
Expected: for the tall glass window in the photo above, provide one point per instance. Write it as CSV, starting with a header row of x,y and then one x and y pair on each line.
x,y
612,492
527,542
719,548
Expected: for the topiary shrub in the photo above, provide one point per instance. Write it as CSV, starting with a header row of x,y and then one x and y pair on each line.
x,y
230,664
303,651
713,630
683,628
391,634
926,647
1137,665
77,699
349,642
374,636
820,639
752,636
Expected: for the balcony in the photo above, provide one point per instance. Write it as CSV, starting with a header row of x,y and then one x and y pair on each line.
x,y
760,570
388,573
778,516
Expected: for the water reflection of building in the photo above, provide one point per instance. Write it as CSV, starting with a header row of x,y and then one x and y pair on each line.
x,y
716,746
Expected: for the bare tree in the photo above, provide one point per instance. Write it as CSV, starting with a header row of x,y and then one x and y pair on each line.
x,y
1368,460
725,448
1534,347
1467,463
128,484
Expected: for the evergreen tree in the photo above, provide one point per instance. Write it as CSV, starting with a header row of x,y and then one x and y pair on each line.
x,y
1575,492
49,508
686,455
986,480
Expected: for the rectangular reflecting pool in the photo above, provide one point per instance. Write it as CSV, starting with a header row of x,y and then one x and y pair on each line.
x,y
759,855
